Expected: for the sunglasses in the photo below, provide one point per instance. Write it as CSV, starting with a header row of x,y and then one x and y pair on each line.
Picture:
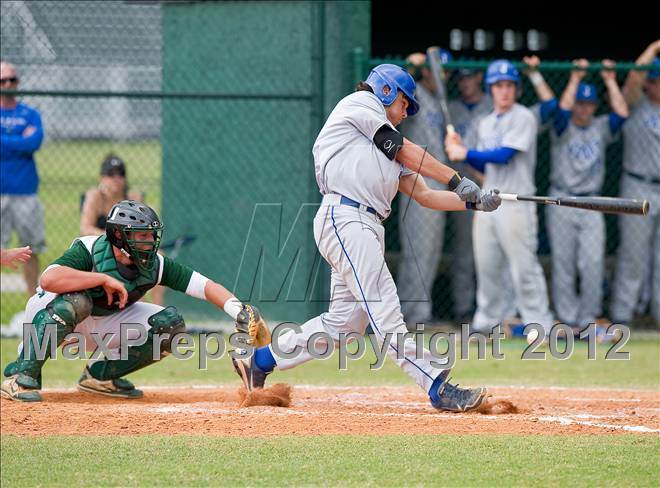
x,y
13,79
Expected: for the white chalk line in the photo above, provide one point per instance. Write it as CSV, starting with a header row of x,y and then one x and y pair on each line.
x,y
623,400
388,388
569,421
564,420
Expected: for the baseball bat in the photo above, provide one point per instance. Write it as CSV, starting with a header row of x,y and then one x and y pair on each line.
x,y
626,206
433,58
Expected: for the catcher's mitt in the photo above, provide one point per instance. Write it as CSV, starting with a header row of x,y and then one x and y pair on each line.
x,y
250,322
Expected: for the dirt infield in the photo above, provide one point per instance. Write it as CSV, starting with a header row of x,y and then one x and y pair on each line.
x,y
333,410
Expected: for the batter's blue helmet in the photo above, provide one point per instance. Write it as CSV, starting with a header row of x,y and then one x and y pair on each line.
x,y
395,78
586,93
654,73
501,70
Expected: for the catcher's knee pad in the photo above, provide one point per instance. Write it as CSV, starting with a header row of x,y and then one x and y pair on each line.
x,y
69,309
167,321
64,312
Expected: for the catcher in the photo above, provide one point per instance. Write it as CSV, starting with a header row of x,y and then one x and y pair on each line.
x,y
95,286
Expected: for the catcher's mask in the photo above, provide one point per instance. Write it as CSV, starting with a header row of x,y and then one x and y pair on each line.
x,y
136,229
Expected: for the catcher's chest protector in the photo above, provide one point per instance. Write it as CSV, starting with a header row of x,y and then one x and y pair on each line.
x,y
104,262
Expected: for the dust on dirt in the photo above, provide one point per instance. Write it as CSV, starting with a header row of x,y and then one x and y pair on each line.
x,y
278,395
315,410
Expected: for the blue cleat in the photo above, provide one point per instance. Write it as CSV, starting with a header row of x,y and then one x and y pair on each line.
x,y
447,397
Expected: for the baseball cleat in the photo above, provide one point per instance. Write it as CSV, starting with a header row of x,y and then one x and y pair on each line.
x,y
454,399
118,388
13,390
252,376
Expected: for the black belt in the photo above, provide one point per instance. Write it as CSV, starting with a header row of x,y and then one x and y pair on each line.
x,y
646,179
352,203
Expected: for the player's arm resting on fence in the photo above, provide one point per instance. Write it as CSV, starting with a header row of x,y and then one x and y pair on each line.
x,y
541,87
73,272
617,101
90,212
182,278
31,138
567,100
632,89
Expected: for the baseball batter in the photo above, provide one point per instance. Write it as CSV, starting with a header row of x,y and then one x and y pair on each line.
x,y
93,288
361,161
578,143
506,153
640,238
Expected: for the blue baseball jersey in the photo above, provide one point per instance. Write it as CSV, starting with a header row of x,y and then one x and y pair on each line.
x,y
18,170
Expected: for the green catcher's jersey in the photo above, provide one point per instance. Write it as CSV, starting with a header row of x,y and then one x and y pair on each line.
x,y
94,253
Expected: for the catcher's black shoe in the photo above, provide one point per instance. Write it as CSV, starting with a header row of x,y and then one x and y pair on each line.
x,y
454,399
252,376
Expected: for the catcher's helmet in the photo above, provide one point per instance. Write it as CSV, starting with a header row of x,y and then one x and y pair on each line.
x,y
387,79
501,70
126,218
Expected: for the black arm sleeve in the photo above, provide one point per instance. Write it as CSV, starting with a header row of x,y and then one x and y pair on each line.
x,y
388,140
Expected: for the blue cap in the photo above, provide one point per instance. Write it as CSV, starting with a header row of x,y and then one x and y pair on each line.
x,y
445,56
395,78
502,70
586,93
654,73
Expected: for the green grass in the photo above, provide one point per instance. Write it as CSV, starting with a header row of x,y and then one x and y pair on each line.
x,y
641,371
67,170
331,460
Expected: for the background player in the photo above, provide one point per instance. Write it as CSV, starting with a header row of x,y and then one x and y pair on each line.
x,y
472,104
420,256
94,287
361,162
506,153
640,238
578,143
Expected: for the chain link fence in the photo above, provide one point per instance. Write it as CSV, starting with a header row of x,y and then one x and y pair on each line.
x,y
95,72
607,265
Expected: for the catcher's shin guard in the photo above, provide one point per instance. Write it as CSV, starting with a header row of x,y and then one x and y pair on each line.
x,y
50,324
167,321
